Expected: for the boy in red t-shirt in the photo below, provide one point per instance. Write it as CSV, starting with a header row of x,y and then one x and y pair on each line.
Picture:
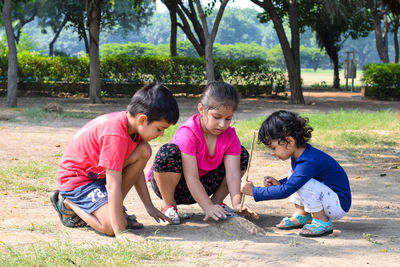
x,y
107,157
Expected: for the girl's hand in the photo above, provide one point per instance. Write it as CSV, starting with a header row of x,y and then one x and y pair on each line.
x,y
215,212
247,188
157,215
246,211
270,181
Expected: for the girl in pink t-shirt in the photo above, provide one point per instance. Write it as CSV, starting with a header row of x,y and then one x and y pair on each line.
x,y
204,161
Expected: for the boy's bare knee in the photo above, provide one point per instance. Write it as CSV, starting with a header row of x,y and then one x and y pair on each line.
x,y
107,230
144,150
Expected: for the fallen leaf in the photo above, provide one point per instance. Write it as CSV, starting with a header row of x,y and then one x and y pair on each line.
x,y
364,216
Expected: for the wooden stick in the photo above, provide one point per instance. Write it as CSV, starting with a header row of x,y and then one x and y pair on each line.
x,y
248,168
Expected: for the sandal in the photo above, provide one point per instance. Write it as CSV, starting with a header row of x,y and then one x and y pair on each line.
x,y
71,221
317,228
287,224
133,223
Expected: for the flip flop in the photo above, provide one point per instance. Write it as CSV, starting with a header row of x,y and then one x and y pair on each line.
x,y
58,204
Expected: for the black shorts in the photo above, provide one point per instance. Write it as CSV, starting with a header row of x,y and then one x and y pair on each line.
x,y
168,159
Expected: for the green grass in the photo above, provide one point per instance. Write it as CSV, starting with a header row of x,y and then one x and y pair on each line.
x,y
39,115
65,253
311,77
340,129
27,176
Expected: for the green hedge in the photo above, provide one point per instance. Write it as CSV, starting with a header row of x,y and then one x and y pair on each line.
x,y
250,76
382,81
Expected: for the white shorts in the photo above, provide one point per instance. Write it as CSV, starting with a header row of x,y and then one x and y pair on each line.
x,y
314,196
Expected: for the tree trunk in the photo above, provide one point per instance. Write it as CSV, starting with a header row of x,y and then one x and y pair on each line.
x,y
335,61
210,37
291,54
94,16
380,33
82,33
12,79
51,45
172,7
210,71
396,39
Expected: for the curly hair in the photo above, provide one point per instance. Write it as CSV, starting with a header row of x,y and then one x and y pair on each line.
x,y
281,124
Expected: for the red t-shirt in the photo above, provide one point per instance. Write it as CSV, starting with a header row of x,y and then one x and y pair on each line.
x,y
103,143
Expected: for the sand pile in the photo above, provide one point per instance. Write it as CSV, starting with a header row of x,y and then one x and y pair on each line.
x,y
233,228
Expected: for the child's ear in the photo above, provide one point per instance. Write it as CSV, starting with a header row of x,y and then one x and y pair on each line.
x,y
200,107
291,141
141,119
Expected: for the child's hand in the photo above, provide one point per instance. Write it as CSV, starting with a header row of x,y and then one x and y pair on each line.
x,y
157,215
247,188
270,181
246,211
214,211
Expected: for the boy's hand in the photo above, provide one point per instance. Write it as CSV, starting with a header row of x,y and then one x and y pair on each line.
x,y
157,215
270,181
247,188
246,211
214,211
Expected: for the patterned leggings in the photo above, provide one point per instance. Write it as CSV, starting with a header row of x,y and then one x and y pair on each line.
x,y
168,159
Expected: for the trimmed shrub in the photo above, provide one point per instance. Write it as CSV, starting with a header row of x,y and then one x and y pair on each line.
x,y
69,75
382,81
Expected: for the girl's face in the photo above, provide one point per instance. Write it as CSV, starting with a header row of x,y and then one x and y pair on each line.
x,y
282,151
215,121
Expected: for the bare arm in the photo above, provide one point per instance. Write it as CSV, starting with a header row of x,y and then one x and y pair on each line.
x,y
143,192
197,190
114,182
233,179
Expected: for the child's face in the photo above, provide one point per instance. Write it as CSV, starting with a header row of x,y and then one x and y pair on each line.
x,y
215,121
150,131
282,151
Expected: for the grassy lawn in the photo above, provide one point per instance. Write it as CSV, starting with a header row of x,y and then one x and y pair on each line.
x,y
324,78
344,130
336,130
65,253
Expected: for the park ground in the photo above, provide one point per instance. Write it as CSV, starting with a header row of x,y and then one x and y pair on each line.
x,y
368,236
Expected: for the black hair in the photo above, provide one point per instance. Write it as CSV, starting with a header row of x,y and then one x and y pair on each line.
x,y
156,102
218,94
281,124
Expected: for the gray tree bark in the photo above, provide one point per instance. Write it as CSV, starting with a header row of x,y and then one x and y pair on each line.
x,y
210,37
290,53
12,79
94,16
380,33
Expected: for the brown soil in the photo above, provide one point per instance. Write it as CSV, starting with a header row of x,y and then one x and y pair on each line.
x,y
369,234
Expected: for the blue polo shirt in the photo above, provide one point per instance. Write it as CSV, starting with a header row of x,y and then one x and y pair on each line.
x,y
312,163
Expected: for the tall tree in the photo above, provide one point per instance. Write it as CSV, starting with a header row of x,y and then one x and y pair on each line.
x,y
333,24
275,11
12,79
193,22
209,37
380,20
100,15
172,8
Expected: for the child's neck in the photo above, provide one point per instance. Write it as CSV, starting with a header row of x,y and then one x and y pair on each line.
x,y
298,151
131,125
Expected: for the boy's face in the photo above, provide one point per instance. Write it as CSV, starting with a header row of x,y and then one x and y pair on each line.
x,y
282,151
150,131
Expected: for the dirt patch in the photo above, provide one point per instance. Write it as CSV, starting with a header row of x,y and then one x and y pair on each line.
x,y
369,234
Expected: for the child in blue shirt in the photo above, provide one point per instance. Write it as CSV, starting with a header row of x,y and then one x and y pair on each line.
x,y
316,183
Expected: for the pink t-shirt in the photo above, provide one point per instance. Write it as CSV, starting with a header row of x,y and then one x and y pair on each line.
x,y
190,140
103,143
